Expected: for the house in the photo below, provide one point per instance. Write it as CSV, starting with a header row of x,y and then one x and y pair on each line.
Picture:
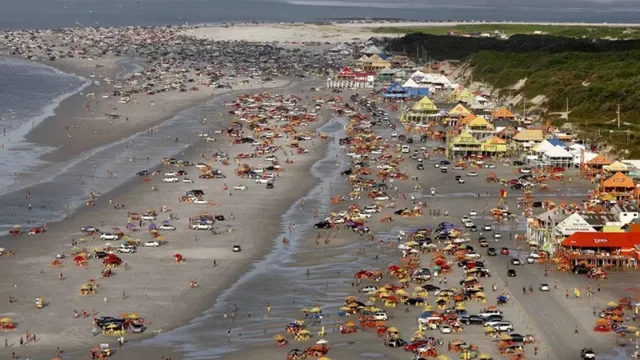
x,y
626,213
611,250
598,221
374,63
349,79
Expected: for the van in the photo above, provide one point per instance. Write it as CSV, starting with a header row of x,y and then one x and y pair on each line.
x,y
406,149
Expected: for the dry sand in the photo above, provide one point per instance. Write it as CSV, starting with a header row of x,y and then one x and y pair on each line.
x,y
155,287
331,33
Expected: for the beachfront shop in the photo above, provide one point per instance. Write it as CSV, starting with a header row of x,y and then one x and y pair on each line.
x,y
611,250
619,187
421,112
349,79
464,144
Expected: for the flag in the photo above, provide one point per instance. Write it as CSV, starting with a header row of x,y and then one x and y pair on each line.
x,y
503,193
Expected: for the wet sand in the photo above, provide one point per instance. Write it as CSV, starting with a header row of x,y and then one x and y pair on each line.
x,y
154,287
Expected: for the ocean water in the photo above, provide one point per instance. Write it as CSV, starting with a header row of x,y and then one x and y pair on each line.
x,y
66,13
29,93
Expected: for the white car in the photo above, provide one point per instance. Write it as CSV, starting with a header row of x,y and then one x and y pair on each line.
x,y
497,236
271,158
460,181
236,248
473,213
465,219
201,227
368,289
525,171
151,243
370,209
504,326
166,227
109,236
531,260
89,229
170,174
149,217
240,187
170,180
201,165
126,249
381,316
472,174
381,198
458,167
262,181
394,134
468,224
487,228
200,202
544,287
472,255
445,329
187,181
488,313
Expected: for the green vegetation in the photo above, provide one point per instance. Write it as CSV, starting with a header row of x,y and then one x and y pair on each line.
x,y
575,31
594,83
596,76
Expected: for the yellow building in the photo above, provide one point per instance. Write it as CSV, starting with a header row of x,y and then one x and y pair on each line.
x,y
373,63
494,146
459,110
479,127
420,112
464,144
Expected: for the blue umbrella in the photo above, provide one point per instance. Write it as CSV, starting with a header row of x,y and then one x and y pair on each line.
x,y
151,226
165,222
502,298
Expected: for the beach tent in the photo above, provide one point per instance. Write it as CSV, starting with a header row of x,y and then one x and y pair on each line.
x,y
617,166
418,74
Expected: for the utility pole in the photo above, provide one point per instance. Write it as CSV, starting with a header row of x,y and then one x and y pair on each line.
x,y
618,115
567,109
524,107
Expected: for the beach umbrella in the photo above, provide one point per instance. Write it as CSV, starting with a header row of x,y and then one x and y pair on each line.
x,y
324,358
457,342
315,310
278,337
322,342
165,222
73,249
612,304
151,226
5,320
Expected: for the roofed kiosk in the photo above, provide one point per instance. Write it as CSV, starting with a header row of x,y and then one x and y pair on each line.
x,y
502,113
459,110
420,111
599,161
534,135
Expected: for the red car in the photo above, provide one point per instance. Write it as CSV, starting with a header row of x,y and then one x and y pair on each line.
x,y
558,169
513,181
413,346
504,251
36,230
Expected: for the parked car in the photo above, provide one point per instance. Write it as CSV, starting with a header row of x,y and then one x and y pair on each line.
x,y
511,273
544,287
491,252
166,227
109,237
151,243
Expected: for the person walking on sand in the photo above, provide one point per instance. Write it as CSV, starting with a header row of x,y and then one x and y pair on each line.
x,y
60,277
268,308
576,330
106,300
124,295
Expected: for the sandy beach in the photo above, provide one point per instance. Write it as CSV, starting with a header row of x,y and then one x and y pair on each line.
x,y
227,301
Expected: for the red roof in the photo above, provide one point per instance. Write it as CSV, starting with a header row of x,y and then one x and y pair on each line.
x,y
346,71
602,240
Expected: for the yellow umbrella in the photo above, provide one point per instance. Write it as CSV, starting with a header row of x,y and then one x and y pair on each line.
x,y
133,316
278,337
345,308
612,304
632,328
315,310
484,357
401,292
5,320
393,329
324,358
305,310
506,337
442,357
303,332
428,308
460,307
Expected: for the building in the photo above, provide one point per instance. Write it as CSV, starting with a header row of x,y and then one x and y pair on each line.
x,y
479,127
420,112
599,221
415,89
349,79
395,91
606,250
627,213
574,223
619,186
464,144
373,63
502,114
